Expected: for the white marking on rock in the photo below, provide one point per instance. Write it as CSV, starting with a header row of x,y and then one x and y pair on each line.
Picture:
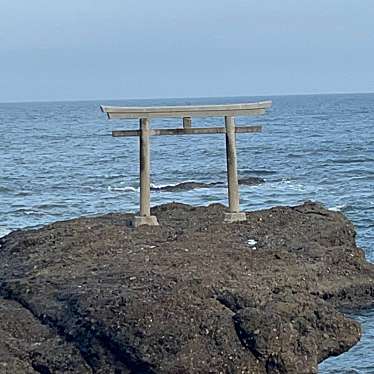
x,y
252,243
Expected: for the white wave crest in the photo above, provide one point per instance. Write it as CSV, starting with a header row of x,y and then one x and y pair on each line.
x,y
4,231
338,208
158,186
123,189
153,186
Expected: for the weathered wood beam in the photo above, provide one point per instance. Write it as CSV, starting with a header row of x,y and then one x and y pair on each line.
x,y
144,168
244,109
234,214
187,122
145,217
217,113
187,131
232,174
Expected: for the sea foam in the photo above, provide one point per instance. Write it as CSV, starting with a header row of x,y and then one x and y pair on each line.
x,y
4,231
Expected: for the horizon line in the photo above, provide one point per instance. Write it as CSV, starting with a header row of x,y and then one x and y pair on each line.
x,y
184,98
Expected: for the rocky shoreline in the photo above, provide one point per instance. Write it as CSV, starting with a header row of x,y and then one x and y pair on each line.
x,y
194,295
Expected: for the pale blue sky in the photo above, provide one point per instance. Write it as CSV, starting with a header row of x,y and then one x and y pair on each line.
x,y
90,49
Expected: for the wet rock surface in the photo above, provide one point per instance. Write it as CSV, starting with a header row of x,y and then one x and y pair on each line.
x,y
191,185
251,181
193,295
185,186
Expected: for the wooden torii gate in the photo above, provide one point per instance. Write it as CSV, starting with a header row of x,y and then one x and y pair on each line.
x,y
145,114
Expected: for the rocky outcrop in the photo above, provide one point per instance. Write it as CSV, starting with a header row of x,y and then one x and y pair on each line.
x,y
184,186
191,185
193,295
251,181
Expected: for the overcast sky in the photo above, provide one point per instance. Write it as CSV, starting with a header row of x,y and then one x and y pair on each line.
x,y
90,49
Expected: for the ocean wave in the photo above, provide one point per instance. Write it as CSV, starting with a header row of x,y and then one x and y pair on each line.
x,y
338,208
4,231
365,178
24,193
5,189
89,188
153,186
30,212
287,184
123,189
348,160
257,172
160,186
49,206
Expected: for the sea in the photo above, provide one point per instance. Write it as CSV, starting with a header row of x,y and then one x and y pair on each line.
x,y
58,161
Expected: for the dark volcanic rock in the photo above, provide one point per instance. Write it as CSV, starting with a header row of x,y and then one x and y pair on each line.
x,y
286,334
191,185
251,181
184,186
27,346
189,296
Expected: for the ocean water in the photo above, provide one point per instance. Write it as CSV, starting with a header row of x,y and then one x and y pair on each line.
x,y
58,161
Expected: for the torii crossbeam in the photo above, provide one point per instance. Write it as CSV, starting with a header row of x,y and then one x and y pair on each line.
x,y
145,114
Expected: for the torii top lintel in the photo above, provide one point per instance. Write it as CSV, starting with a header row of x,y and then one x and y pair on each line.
x,y
242,109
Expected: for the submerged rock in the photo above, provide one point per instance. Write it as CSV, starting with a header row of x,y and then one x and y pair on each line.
x,y
184,186
251,181
188,296
191,185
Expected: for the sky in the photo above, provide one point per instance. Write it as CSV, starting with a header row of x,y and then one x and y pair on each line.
x,y
119,49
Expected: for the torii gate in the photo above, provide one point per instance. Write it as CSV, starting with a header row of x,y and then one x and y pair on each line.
x,y
145,114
